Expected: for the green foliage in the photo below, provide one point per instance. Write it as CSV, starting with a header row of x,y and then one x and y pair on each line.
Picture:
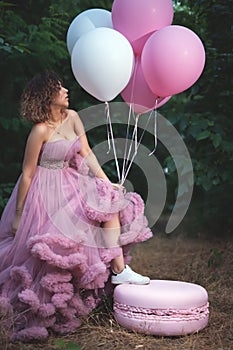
x,y
62,345
5,191
33,38
215,259
202,114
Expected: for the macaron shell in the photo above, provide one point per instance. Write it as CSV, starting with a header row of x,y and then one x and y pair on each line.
x,y
162,294
167,308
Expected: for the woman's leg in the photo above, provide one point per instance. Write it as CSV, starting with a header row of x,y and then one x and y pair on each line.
x,y
112,232
121,273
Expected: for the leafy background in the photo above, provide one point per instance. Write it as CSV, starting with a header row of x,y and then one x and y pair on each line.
x,y
33,38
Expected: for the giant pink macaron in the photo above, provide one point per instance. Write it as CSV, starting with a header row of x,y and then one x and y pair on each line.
x,y
163,307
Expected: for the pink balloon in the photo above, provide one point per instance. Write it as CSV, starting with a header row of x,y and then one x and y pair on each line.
x,y
138,93
138,19
173,59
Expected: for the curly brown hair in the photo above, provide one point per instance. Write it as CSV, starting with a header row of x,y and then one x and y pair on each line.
x,y
37,96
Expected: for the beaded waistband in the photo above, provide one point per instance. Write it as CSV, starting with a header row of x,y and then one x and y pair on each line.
x,y
54,164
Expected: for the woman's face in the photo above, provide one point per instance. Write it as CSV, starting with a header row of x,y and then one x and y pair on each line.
x,y
61,99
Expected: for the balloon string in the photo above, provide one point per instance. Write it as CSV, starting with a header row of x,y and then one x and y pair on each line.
x,y
135,140
134,155
125,159
126,142
136,133
155,128
111,135
107,126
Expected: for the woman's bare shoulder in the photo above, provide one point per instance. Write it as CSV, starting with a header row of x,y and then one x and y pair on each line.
x,y
72,113
74,117
40,131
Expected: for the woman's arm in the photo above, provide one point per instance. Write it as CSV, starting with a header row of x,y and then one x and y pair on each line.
x,y
86,151
32,150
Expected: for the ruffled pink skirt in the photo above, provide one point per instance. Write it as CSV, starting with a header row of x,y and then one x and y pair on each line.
x,y
57,267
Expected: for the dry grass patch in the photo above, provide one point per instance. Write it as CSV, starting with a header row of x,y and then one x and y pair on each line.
x,y
202,261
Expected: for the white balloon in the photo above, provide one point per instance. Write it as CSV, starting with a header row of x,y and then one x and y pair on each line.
x,y
86,21
102,62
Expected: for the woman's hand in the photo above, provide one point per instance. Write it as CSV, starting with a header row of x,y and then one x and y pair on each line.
x,y
118,186
16,222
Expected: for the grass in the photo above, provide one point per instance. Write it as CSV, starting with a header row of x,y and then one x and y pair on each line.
x,y
207,262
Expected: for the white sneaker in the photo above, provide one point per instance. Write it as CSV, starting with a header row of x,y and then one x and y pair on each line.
x,y
129,276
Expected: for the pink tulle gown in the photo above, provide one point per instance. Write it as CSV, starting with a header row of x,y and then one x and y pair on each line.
x,y
57,267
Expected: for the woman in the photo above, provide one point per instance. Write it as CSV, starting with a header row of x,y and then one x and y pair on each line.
x,y
66,230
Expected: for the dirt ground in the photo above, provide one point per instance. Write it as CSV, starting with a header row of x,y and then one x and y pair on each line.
x,y
205,261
